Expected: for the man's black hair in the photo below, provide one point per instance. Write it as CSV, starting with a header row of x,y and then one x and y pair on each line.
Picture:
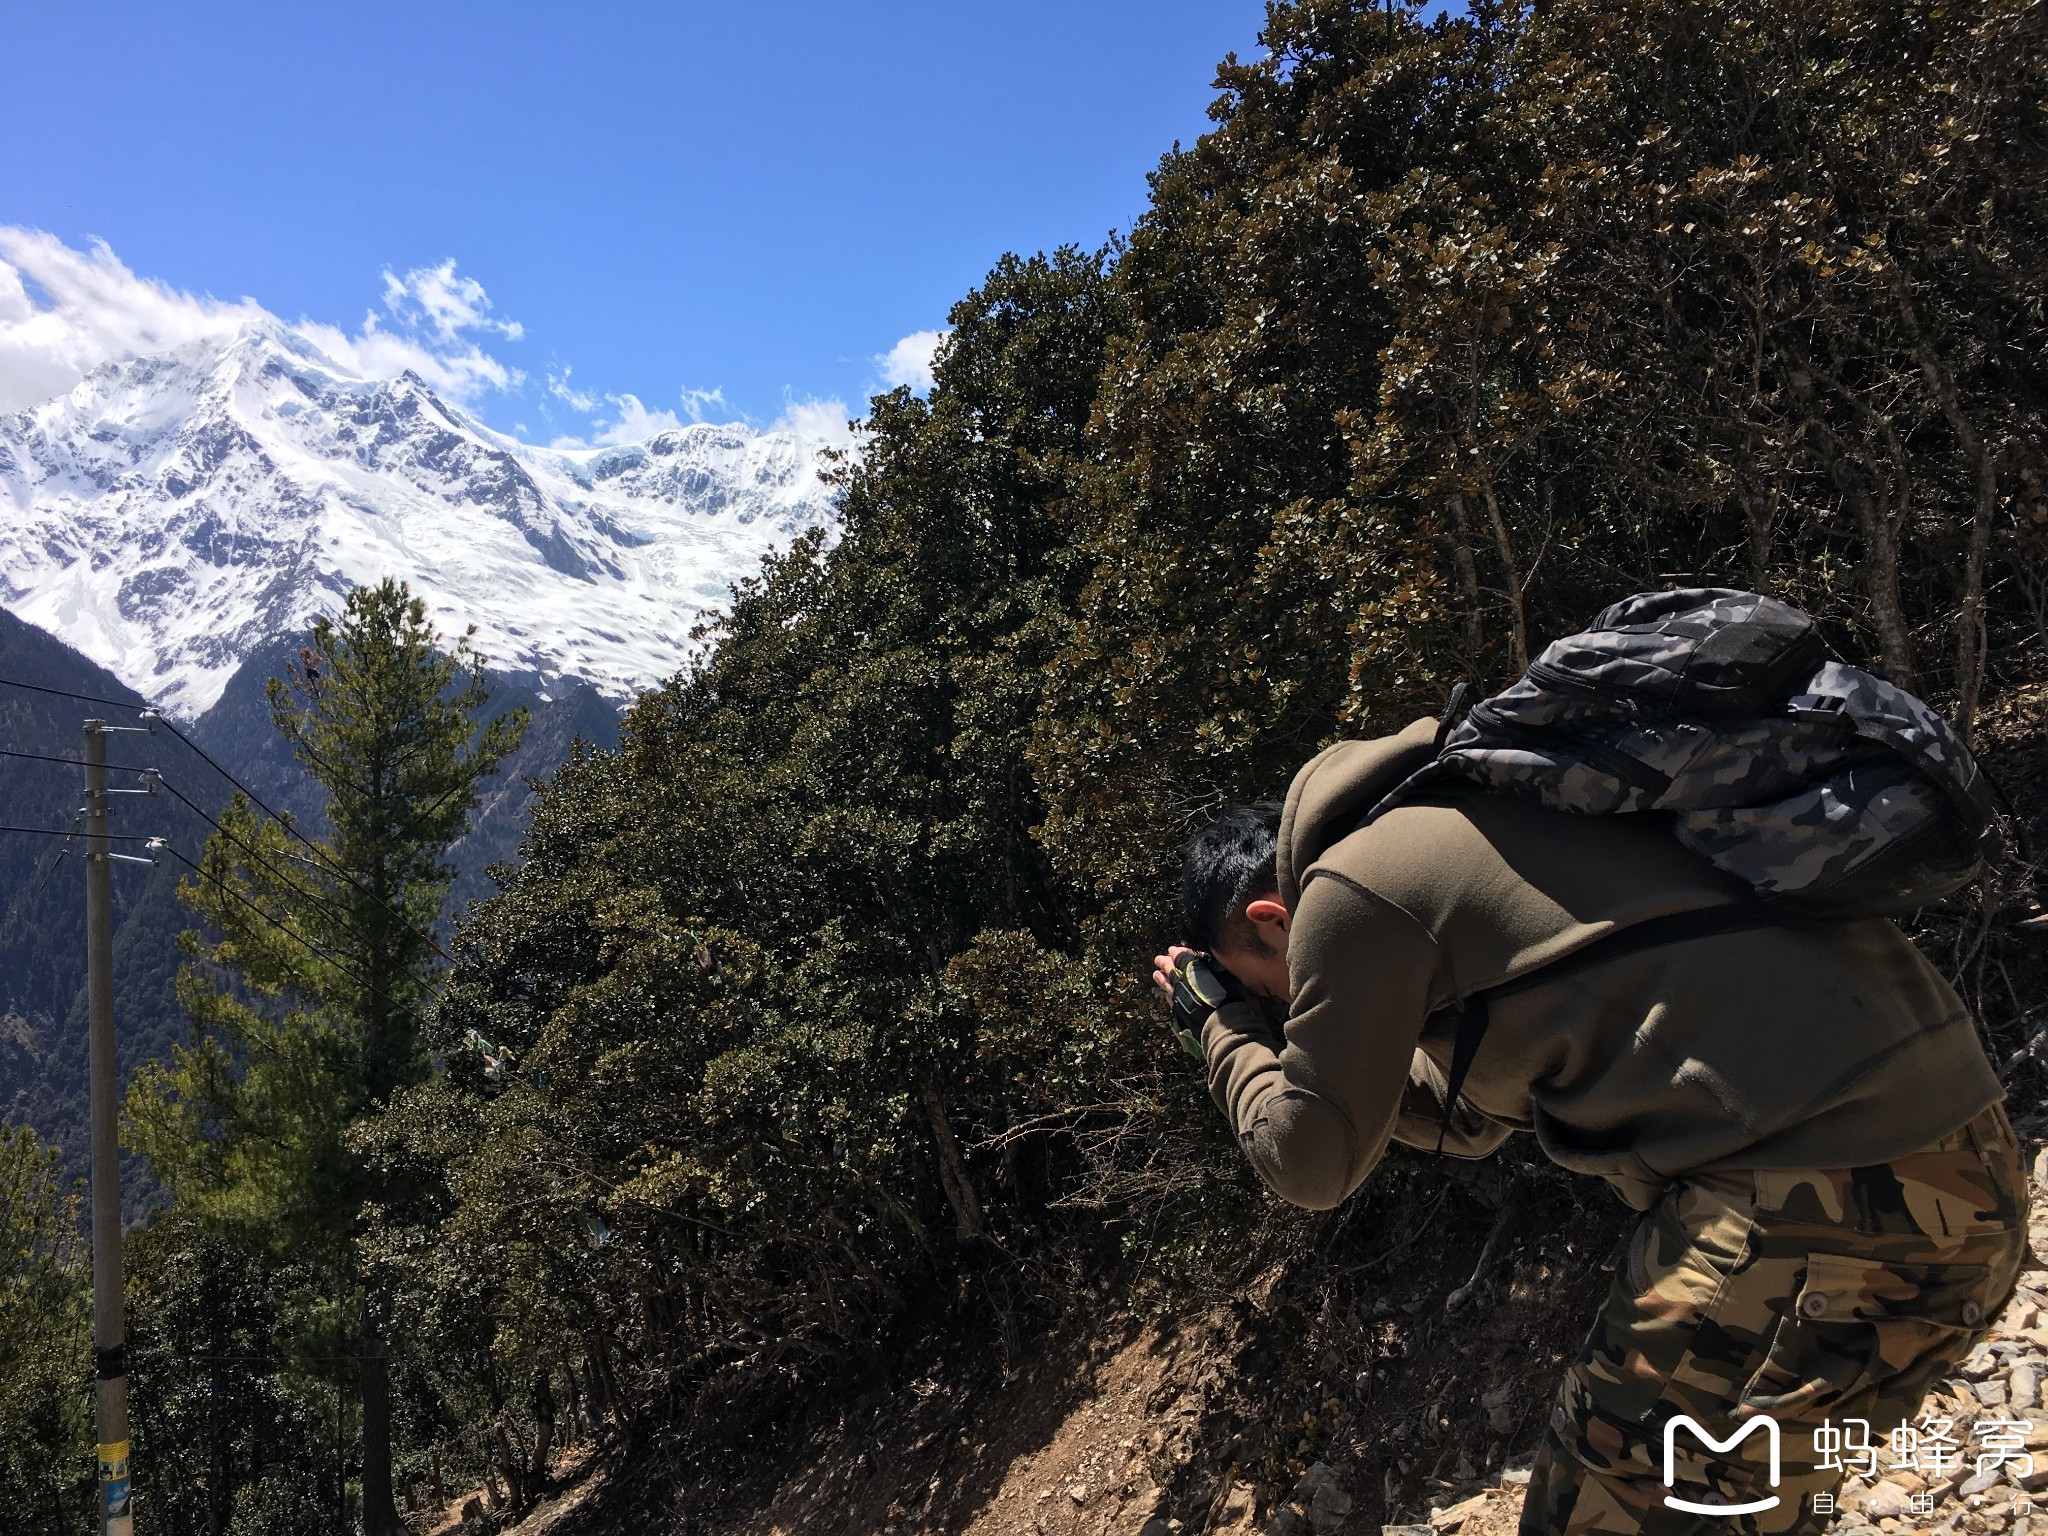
x,y
1225,865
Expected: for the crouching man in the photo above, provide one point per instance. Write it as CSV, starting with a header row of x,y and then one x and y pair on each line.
x,y
1833,1208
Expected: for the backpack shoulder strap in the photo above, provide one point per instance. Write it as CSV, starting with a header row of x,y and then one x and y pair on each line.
x,y
1653,933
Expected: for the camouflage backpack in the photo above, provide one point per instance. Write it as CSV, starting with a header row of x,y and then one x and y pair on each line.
x,y
1829,791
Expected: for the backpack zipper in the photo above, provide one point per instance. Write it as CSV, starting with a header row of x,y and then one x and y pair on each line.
x,y
1630,770
1560,681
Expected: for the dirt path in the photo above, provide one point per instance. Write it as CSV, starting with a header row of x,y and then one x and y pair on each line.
x,y
1163,1430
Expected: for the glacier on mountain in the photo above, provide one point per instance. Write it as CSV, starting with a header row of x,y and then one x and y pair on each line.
x,y
172,514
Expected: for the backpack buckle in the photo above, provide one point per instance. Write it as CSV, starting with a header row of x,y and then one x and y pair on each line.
x,y
1818,706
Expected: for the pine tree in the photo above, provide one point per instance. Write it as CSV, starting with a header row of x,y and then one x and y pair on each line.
x,y
307,985
46,1466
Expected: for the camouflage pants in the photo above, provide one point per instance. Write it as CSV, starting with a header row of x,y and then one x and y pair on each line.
x,y
1794,1297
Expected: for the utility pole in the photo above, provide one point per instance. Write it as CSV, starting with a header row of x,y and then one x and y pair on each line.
x,y
109,1352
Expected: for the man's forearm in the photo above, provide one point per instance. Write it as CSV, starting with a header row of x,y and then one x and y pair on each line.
x,y
1302,1146
1314,1104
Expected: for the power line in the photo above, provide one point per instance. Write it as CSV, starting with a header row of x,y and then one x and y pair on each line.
x,y
158,717
297,938
65,693
249,793
112,837
319,852
42,757
271,869
138,837
61,852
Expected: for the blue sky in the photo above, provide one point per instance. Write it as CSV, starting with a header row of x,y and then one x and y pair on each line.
x,y
756,199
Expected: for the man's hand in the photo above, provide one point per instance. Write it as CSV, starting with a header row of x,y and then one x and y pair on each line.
x,y
1197,987
1162,967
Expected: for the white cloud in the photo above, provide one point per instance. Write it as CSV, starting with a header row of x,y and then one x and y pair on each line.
x,y
575,399
697,401
820,423
63,312
816,423
910,360
461,374
449,304
631,421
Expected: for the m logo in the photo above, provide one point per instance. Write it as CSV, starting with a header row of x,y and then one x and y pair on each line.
x,y
1763,1422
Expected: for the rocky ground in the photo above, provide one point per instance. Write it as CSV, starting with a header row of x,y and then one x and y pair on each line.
x,y
1149,1431
1182,1428
2002,1382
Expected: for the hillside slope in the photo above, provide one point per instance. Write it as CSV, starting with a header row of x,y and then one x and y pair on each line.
x,y
1119,1424
1391,1368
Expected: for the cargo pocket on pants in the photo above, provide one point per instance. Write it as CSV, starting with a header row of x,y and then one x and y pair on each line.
x,y
1855,1324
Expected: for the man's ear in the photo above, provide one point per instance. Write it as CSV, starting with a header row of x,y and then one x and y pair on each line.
x,y
1270,912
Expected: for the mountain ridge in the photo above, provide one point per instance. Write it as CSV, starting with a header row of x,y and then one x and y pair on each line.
x,y
174,513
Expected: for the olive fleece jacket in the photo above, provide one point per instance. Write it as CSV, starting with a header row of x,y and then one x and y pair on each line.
x,y
1825,1046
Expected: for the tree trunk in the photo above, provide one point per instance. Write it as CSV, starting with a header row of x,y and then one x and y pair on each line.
x,y
1970,644
511,1464
577,1423
1511,574
1468,586
541,1400
380,1510
601,1381
1759,520
1881,586
967,1218
1880,525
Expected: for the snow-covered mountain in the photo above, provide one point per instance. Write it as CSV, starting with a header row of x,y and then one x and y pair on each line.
x,y
174,513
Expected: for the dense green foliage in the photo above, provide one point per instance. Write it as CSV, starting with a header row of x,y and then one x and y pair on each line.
x,y
821,988
305,987
818,1002
47,1470
743,969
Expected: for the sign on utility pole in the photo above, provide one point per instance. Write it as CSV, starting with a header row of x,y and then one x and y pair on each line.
x,y
109,1350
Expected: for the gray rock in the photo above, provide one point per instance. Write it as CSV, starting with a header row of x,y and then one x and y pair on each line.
x,y
1323,1497
1980,1482
1317,1505
2023,1386
1886,1501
